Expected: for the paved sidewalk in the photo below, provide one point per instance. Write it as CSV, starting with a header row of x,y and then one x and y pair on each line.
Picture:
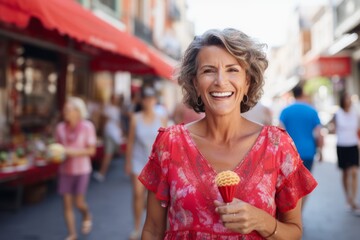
x,y
110,203
325,216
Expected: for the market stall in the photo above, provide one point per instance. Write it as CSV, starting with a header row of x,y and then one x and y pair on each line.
x,y
46,55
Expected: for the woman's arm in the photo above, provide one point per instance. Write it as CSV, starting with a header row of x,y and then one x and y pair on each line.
x,y
319,138
242,217
155,223
89,149
80,152
130,144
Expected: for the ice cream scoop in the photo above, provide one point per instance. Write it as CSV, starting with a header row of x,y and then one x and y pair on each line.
x,y
227,182
56,152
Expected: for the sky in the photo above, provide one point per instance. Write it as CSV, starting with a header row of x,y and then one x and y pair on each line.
x,y
265,20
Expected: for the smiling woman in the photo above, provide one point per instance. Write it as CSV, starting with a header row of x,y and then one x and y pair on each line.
x,y
222,75
221,81
243,56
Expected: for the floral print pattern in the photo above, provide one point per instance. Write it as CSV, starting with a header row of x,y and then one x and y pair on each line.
x,y
272,177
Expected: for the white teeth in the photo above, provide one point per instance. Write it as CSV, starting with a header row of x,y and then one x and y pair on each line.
x,y
221,94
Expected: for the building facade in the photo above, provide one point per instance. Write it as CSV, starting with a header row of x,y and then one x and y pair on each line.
x,y
53,49
322,51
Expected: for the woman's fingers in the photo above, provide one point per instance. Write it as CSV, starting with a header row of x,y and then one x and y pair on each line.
x,y
218,203
229,208
236,216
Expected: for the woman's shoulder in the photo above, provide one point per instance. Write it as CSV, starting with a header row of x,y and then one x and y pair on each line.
x,y
169,133
277,135
270,129
61,125
174,129
87,124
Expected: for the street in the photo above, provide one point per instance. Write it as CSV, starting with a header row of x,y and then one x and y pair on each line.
x,y
325,215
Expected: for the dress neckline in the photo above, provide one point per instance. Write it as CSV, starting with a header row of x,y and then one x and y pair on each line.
x,y
207,163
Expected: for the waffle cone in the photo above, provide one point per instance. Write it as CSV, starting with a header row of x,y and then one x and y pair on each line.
x,y
227,182
227,193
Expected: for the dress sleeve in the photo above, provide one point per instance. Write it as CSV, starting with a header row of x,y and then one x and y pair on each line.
x,y
294,180
91,134
154,175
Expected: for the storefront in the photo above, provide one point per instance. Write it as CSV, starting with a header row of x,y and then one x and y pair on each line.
x,y
47,53
50,50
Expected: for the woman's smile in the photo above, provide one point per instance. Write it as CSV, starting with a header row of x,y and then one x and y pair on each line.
x,y
221,95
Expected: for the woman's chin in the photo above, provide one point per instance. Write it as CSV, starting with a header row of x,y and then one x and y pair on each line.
x,y
221,112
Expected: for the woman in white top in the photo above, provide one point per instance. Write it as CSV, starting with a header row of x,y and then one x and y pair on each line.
x,y
144,126
347,124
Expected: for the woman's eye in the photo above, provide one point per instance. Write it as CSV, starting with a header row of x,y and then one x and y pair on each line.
x,y
233,70
208,71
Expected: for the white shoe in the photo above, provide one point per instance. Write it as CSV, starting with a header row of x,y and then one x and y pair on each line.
x,y
356,212
99,177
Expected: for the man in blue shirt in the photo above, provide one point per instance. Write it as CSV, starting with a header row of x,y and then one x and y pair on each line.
x,y
302,123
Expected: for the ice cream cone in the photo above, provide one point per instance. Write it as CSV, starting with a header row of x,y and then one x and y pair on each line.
x,y
56,152
227,182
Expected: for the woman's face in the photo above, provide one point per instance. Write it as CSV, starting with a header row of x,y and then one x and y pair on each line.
x,y
71,113
220,81
148,102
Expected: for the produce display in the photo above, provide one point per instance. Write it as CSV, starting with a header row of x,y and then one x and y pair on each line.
x,y
14,161
34,152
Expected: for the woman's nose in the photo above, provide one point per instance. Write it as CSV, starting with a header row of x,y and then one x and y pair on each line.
x,y
221,77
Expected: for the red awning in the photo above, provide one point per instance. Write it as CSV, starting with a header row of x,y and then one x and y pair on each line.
x,y
70,18
328,67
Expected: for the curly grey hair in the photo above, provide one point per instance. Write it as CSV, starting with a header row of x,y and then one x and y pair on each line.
x,y
247,51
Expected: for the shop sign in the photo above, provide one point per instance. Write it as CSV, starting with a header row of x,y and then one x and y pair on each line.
x,y
328,67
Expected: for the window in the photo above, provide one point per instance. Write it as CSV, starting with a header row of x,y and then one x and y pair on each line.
x,y
111,7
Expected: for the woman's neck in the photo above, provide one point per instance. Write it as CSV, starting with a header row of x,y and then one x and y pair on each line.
x,y
223,129
148,112
74,123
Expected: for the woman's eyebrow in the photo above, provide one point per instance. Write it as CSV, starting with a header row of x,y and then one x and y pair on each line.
x,y
208,66
227,66
232,65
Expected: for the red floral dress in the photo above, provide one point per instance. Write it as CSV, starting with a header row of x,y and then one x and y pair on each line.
x,y
272,178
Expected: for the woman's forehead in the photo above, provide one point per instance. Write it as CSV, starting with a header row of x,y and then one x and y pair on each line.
x,y
215,55
70,106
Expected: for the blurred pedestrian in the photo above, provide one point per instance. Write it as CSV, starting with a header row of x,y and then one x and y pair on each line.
x,y
221,74
346,127
259,114
302,122
144,126
78,137
129,109
112,136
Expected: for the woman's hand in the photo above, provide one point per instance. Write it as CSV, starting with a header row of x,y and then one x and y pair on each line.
x,y
70,152
239,216
80,152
